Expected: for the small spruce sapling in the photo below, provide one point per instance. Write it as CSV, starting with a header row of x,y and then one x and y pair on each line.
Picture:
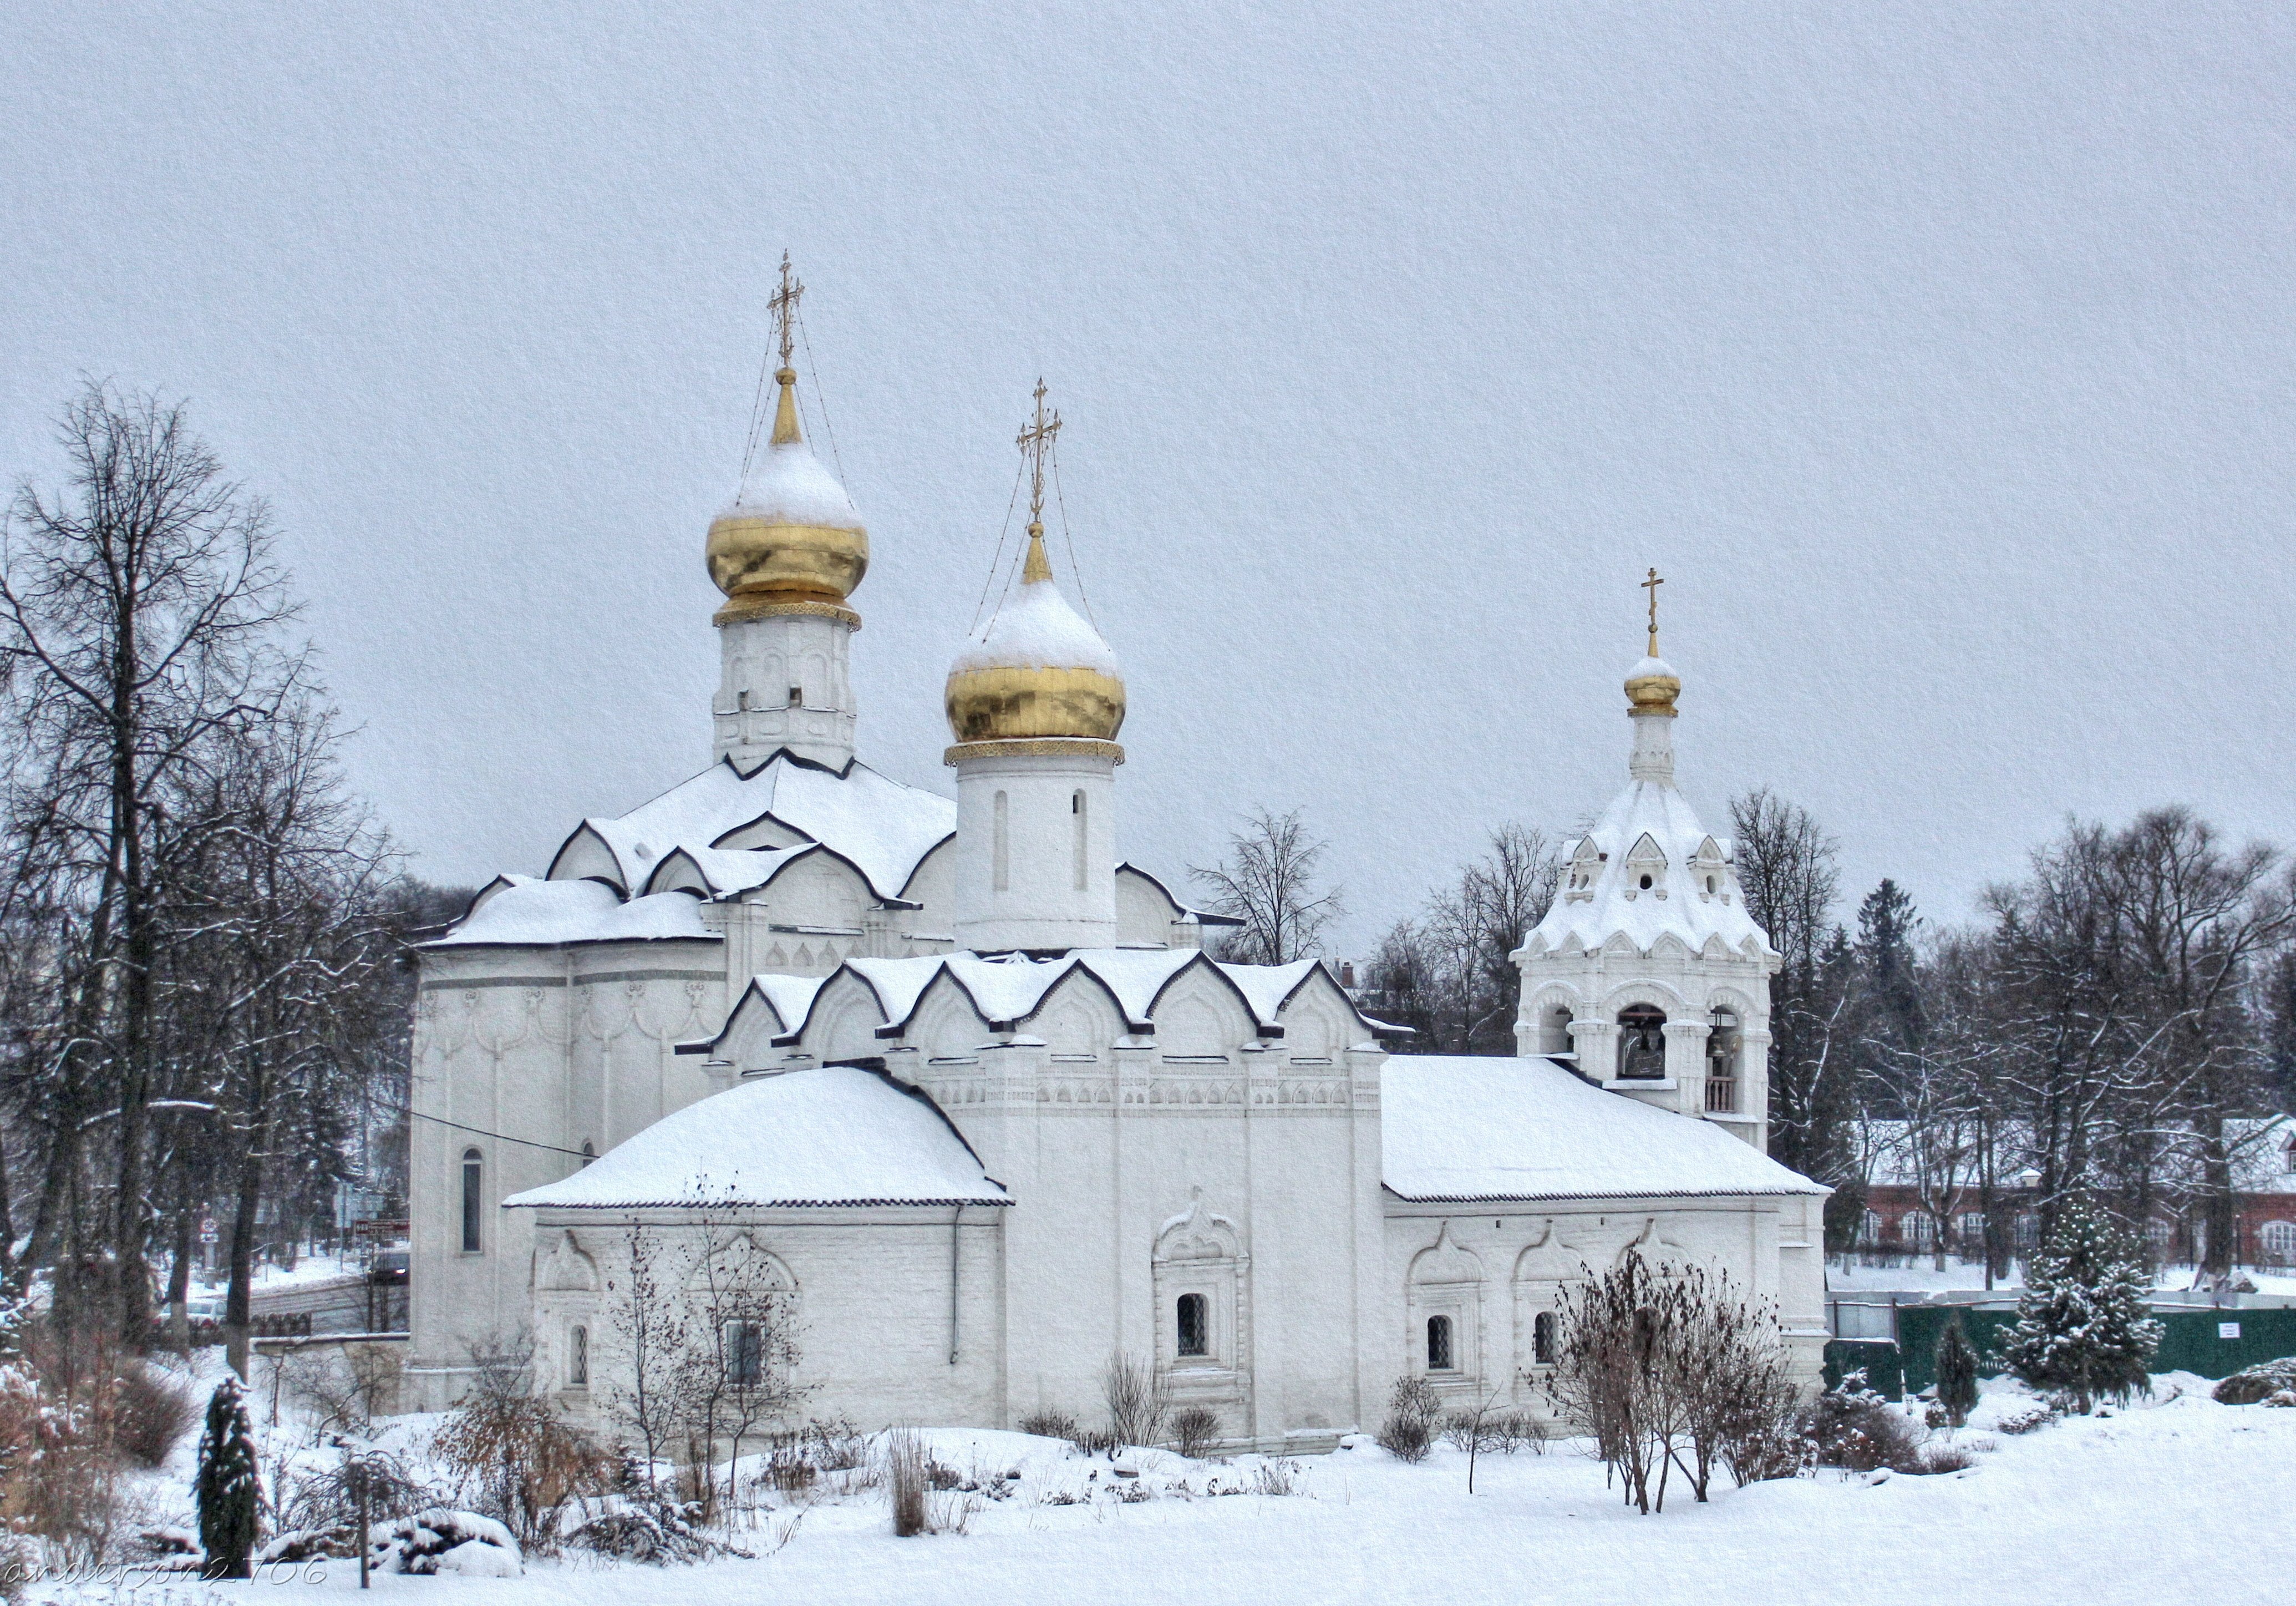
x,y
225,1488
1956,1364
2082,1328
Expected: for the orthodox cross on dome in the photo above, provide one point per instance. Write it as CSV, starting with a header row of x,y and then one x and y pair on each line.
x,y
1035,442
783,304
1652,586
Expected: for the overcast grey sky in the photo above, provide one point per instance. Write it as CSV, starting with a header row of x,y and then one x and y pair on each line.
x,y
1940,356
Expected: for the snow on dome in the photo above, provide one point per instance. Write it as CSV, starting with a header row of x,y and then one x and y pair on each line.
x,y
1036,629
1646,667
828,1136
787,484
1489,1128
521,910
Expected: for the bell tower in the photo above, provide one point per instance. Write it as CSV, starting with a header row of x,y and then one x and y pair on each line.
x,y
787,551
1647,977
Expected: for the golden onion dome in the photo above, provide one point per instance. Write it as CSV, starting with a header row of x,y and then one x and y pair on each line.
x,y
1651,686
1036,670
790,541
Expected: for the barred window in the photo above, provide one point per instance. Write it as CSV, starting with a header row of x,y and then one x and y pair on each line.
x,y
1195,1334
1438,1343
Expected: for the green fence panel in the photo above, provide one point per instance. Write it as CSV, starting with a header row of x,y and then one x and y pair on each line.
x,y
1878,1358
2212,1343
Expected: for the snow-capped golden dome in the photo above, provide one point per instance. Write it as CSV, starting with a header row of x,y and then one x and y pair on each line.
x,y
1036,668
791,541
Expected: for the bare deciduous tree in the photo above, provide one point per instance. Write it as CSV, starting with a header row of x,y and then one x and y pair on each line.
x,y
1271,879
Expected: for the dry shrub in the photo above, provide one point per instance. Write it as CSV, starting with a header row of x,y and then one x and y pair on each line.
x,y
149,1413
1495,1432
1933,1458
525,1462
1408,1433
1138,1397
1049,1424
1276,1477
905,1482
1195,1428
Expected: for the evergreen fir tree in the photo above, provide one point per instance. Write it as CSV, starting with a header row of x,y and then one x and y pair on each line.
x,y
1956,1372
225,1488
2082,1328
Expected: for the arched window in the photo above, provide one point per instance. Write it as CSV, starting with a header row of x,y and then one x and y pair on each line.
x,y
1642,1042
474,1198
1542,1338
1001,855
2289,1153
1079,809
1869,1229
1438,1343
578,1358
1920,1231
1194,1325
589,1153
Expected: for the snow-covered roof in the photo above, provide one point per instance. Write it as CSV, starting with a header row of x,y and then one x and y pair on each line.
x,y
522,910
824,1136
1009,989
1036,629
1202,917
786,485
1649,829
1464,1129
880,826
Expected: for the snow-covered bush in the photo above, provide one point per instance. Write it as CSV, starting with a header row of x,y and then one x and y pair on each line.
x,y
1855,1429
2083,1328
1408,1433
2014,1417
658,1532
444,1541
227,1491
2256,1385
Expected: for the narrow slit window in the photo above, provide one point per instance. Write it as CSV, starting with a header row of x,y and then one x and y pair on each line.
x,y
1082,818
578,1358
589,1153
1542,1338
796,697
474,1195
1438,1343
1195,1337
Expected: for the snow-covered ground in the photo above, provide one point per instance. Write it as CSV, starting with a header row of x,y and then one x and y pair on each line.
x,y
2178,1499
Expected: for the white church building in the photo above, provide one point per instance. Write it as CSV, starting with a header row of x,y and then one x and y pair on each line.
x,y
973,1092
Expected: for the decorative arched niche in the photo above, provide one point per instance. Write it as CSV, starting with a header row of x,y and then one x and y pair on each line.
x,y
566,1283
1200,1261
1546,1265
1444,1313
